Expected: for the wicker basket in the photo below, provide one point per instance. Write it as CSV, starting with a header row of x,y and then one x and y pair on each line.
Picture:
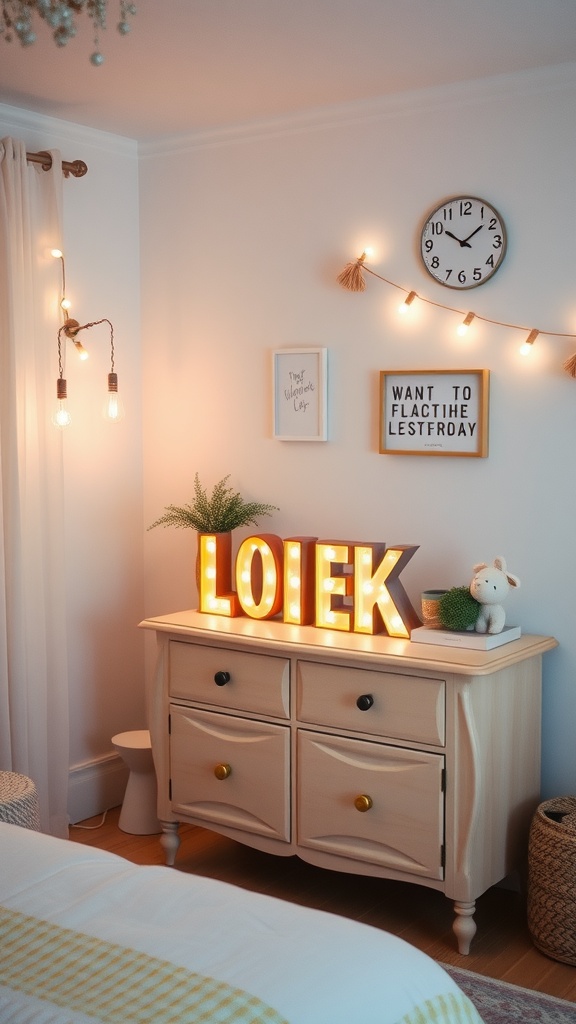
x,y
552,879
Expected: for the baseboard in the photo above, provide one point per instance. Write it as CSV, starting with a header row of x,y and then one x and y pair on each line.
x,y
95,786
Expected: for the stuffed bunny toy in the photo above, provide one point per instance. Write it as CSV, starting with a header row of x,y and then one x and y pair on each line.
x,y
489,587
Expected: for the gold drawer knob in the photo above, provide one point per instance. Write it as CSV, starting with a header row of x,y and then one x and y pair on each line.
x,y
363,802
222,771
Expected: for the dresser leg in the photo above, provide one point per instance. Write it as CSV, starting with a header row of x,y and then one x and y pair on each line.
x,y
170,840
464,926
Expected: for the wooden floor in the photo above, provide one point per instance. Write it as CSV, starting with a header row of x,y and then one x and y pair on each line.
x,y
501,948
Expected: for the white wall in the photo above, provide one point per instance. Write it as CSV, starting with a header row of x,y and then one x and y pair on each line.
x,y
102,462
242,237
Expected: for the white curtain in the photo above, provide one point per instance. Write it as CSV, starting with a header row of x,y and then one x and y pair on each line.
x,y
33,662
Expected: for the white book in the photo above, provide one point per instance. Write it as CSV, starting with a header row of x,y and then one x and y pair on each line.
x,y
464,638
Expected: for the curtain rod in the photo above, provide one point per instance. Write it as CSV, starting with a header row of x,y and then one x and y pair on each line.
x,y
76,168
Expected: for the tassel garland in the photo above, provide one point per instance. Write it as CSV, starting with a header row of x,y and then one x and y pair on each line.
x,y
570,365
352,277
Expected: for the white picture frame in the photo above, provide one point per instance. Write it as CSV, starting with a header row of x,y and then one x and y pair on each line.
x,y
300,392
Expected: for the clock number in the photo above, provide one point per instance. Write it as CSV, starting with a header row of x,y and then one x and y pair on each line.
x,y
435,263
429,245
490,261
447,213
492,224
497,242
462,277
477,275
448,272
465,208
436,227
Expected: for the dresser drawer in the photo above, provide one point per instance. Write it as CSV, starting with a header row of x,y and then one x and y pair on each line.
x,y
371,802
379,703
258,683
231,771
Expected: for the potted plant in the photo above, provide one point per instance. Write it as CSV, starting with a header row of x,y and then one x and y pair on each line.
x,y
221,512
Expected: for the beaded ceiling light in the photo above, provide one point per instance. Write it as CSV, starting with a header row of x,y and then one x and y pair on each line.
x,y
16,19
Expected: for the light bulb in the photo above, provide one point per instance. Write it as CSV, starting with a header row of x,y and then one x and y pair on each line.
x,y
526,347
61,417
82,353
463,327
404,307
113,406
56,253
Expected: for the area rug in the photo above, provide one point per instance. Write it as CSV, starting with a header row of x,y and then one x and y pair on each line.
x,y
498,1002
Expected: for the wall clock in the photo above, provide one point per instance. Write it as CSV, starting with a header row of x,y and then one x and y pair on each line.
x,y
463,242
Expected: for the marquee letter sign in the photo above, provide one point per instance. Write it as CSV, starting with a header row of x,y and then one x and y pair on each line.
x,y
330,584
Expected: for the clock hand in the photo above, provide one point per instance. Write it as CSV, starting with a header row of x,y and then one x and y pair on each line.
x,y
460,243
475,232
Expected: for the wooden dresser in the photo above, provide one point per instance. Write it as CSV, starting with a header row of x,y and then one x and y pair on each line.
x,y
364,754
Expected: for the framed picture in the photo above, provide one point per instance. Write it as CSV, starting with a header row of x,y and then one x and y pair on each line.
x,y
434,412
300,394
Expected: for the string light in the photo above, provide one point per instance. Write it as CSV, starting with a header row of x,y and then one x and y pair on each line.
x,y
405,306
65,303
462,329
352,278
526,347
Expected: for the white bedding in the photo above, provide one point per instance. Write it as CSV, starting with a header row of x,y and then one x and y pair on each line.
x,y
307,966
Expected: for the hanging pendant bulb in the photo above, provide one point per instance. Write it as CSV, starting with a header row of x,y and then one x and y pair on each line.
x,y
61,417
113,406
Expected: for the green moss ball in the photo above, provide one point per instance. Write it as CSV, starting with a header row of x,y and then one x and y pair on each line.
x,y
457,609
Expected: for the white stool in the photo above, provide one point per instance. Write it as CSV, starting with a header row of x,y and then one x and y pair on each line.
x,y
138,814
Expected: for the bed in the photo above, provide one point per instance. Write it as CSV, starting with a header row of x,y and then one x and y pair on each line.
x,y
86,936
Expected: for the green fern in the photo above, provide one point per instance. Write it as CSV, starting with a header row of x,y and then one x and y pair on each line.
x,y
222,511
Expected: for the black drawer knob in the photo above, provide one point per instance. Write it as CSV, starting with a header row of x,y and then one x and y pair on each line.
x,y
221,678
365,702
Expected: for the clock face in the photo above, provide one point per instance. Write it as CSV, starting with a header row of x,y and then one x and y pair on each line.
x,y
463,242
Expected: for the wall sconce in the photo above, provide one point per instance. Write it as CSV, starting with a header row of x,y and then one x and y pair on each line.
x,y
113,409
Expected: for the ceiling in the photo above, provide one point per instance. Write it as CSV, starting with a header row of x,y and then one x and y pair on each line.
x,y
192,65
